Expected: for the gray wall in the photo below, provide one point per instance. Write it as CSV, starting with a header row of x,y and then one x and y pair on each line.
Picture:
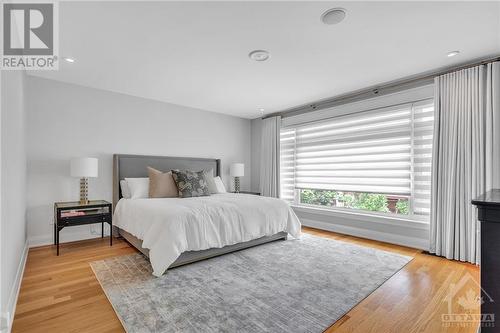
x,y
65,121
13,185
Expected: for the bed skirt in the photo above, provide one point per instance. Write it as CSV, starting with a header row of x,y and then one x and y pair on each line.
x,y
193,256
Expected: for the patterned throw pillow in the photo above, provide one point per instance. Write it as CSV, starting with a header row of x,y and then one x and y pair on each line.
x,y
190,183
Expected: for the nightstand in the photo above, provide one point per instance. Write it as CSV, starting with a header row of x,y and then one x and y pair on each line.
x,y
70,214
248,192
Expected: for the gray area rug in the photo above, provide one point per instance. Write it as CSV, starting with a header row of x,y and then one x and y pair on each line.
x,y
286,286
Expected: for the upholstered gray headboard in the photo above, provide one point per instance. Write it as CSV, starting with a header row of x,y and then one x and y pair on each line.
x,y
131,166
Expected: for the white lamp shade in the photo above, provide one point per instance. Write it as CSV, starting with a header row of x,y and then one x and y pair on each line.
x,y
237,170
85,167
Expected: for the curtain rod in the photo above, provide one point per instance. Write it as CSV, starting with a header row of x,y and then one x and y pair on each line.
x,y
381,89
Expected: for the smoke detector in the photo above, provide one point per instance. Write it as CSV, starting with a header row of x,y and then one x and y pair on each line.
x,y
333,16
259,55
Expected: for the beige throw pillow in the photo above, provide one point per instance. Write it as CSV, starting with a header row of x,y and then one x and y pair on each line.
x,y
161,184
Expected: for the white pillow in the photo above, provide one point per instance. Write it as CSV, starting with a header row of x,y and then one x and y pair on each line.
x,y
220,185
125,189
210,179
139,187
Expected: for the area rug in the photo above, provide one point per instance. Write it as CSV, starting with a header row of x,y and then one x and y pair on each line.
x,y
285,286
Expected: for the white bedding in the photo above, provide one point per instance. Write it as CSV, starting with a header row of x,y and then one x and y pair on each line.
x,y
170,226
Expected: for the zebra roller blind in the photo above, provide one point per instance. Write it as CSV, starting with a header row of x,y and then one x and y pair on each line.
x,y
386,151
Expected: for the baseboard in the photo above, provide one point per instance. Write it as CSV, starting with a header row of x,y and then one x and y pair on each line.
x,y
41,240
413,242
14,292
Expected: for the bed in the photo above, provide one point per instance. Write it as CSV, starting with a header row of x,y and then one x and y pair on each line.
x,y
176,231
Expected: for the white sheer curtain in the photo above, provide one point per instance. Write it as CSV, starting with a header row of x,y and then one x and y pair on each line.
x,y
270,157
466,157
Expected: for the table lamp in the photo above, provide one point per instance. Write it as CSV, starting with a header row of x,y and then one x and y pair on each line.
x,y
84,168
237,170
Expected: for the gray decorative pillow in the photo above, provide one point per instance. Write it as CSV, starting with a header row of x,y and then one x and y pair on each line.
x,y
190,183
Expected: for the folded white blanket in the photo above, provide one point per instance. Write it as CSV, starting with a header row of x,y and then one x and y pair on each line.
x,y
170,226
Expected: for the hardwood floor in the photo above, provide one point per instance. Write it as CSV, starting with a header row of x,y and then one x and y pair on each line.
x,y
414,299
61,294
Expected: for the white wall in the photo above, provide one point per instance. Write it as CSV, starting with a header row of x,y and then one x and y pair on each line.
x,y
65,121
13,188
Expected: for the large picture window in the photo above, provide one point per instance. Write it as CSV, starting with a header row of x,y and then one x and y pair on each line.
x,y
378,160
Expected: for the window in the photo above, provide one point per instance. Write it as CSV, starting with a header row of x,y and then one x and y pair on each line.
x,y
378,160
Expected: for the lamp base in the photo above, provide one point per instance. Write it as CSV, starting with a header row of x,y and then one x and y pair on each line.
x,y
84,191
237,184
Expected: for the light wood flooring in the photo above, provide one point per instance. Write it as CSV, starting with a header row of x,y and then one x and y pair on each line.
x,y
61,294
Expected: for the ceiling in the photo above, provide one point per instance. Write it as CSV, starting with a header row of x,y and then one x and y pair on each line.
x,y
196,53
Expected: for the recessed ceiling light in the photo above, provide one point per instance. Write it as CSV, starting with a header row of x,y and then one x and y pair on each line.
x,y
453,53
261,110
333,16
259,55
70,60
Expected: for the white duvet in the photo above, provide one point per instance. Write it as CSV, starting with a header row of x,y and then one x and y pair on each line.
x,y
170,226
